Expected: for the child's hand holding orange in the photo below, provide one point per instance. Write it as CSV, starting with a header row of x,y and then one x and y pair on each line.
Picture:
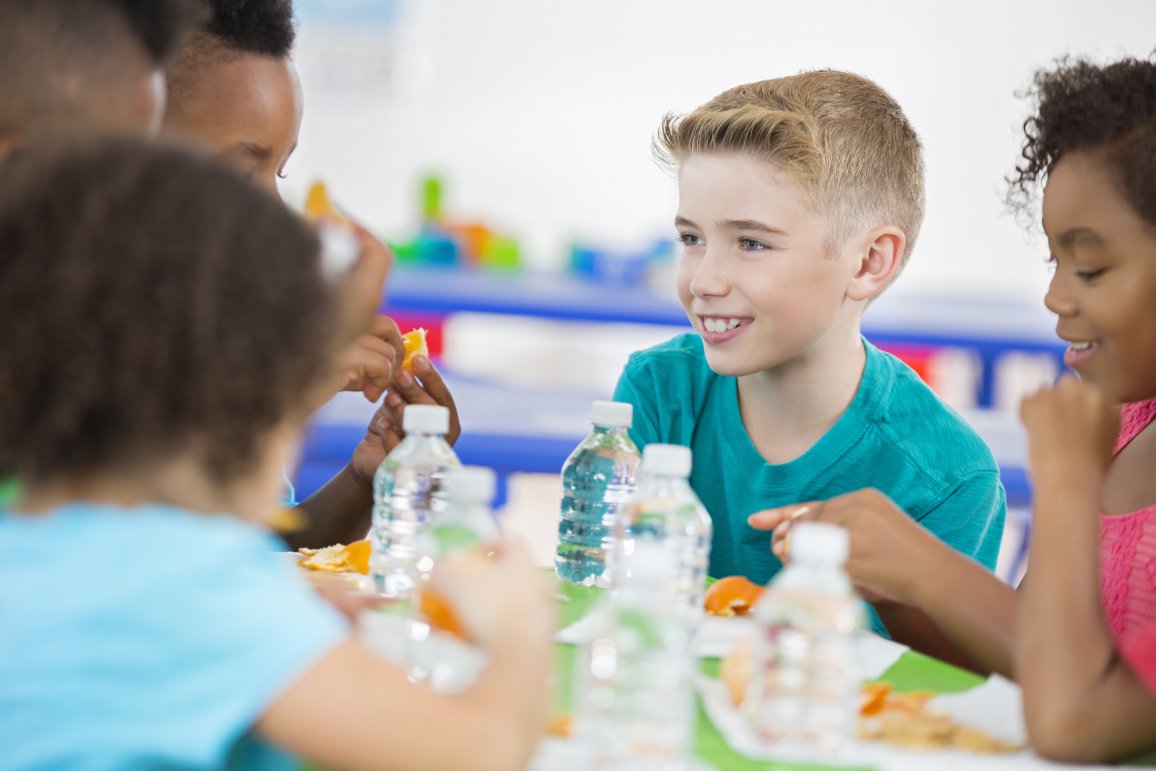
x,y
493,596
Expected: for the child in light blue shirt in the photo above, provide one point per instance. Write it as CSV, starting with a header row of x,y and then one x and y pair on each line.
x,y
150,402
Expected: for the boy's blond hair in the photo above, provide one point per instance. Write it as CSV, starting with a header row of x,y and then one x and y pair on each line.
x,y
841,137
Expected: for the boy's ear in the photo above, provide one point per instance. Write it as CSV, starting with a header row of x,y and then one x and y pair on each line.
x,y
878,261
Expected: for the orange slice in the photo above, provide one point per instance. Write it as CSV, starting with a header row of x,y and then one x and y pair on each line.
x,y
338,558
732,596
440,614
415,345
320,207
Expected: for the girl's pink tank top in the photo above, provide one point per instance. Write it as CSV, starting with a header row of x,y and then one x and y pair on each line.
x,y
1128,547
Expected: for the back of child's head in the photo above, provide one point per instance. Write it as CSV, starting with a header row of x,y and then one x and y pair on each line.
x,y
843,140
61,60
234,28
153,305
1106,110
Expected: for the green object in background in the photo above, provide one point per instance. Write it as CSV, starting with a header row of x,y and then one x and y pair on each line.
x,y
404,251
502,254
432,197
9,491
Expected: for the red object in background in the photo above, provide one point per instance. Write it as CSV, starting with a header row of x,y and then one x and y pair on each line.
x,y
433,329
916,357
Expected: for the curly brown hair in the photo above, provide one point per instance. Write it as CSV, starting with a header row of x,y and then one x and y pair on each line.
x,y
152,303
1081,106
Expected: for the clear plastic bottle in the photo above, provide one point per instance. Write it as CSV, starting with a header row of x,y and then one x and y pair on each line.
x,y
803,699
635,677
597,479
407,492
665,507
467,523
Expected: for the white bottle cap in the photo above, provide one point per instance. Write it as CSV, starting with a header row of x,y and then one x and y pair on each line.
x,y
612,414
425,419
819,542
472,483
667,459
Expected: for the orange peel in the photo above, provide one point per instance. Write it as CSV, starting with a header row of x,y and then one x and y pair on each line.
x,y
732,596
339,558
440,614
320,207
415,345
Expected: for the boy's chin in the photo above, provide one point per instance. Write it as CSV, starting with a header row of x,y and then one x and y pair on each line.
x,y
731,366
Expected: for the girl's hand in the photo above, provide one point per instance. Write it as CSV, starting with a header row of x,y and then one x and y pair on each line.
x,y
888,548
497,595
1072,429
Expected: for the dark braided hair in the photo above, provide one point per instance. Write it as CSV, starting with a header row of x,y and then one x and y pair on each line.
x,y
152,303
1081,106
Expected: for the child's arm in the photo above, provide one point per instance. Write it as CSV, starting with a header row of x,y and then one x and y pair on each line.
x,y
352,710
1082,702
340,511
928,595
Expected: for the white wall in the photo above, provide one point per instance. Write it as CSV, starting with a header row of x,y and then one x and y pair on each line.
x,y
540,113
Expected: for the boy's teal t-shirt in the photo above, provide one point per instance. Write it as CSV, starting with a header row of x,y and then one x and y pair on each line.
x,y
148,637
896,436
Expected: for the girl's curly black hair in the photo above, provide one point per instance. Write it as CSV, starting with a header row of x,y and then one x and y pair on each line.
x,y
1081,106
152,303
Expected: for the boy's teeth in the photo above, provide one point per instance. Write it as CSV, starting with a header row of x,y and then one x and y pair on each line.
x,y
1081,346
717,325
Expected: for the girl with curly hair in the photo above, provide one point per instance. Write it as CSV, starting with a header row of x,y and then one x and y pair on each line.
x,y
1080,634
149,404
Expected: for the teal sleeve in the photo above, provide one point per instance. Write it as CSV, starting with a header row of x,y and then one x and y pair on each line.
x,y
970,517
636,387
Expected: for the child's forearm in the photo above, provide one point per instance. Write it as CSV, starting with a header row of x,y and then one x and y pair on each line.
x,y
972,614
1065,650
338,513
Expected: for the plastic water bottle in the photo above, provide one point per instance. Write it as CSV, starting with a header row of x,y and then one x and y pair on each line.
x,y
466,524
596,479
636,695
407,492
664,507
803,699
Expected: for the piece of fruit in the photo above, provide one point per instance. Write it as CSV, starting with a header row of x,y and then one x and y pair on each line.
x,y
737,668
732,596
873,697
415,345
439,614
338,558
561,725
320,207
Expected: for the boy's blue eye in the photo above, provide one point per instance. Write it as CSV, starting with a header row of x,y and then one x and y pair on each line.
x,y
751,245
689,239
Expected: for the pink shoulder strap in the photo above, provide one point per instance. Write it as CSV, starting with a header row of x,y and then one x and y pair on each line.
x,y
1134,418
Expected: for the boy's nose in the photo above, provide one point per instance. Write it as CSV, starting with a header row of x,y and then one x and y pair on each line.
x,y
709,280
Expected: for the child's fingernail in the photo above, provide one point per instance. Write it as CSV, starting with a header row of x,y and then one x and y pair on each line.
x,y
405,379
393,400
421,364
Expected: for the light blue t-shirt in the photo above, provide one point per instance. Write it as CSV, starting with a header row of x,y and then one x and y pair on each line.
x,y
896,436
148,637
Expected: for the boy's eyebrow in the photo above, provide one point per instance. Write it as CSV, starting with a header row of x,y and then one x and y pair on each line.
x,y
749,225
734,225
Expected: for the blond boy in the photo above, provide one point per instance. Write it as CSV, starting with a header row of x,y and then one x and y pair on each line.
x,y
800,199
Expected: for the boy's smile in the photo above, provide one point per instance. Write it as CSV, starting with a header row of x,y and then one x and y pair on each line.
x,y
756,277
1105,278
